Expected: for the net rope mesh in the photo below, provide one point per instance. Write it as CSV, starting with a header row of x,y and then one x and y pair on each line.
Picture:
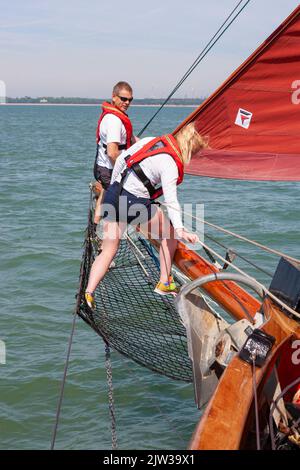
x,y
129,316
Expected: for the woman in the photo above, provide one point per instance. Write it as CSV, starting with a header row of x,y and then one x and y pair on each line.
x,y
137,172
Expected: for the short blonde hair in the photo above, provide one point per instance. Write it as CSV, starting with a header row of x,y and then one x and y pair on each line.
x,y
190,142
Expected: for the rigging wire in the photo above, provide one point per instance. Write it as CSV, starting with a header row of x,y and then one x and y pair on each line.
x,y
197,61
266,291
63,382
239,255
62,389
236,235
252,242
276,299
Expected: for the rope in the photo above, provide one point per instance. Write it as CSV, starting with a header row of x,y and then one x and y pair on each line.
x,y
197,61
282,304
255,401
76,312
210,256
236,235
240,237
111,404
132,247
129,239
58,410
239,255
274,405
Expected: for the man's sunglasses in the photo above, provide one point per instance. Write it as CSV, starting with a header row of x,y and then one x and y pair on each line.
x,y
124,99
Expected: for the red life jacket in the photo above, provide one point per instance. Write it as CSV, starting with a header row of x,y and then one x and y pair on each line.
x,y
108,108
159,145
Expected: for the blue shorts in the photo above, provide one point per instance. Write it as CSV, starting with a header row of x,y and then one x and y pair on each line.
x,y
125,207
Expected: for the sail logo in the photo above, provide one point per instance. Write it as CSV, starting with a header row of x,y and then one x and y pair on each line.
x,y
296,93
243,118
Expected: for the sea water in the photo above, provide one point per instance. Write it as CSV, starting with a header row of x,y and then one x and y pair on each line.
x,y
46,157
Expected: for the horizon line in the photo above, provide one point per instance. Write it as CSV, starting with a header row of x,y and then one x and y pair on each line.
x,y
27,97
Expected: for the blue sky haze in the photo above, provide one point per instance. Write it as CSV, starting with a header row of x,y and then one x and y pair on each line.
x,y
81,48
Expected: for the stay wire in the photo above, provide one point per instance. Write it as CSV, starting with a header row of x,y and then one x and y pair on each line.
x,y
62,388
199,58
236,235
239,255
197,61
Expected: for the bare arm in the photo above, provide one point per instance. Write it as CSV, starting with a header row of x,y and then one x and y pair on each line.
x,y
113,151
134,139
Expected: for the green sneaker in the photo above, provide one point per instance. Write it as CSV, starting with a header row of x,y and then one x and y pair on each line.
x,y
166,288
172,283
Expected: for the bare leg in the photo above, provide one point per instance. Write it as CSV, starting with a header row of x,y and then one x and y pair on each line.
x,y
112,235
160,227
97,216
166,255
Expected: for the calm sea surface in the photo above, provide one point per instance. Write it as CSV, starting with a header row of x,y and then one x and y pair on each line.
x,y
46,158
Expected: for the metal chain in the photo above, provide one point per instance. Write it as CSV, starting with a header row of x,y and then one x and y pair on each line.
x,y
111,404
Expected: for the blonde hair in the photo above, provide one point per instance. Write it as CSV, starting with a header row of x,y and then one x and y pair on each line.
x,y
190,142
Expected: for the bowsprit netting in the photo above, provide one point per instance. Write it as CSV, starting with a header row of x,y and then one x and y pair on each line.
x,y
129,316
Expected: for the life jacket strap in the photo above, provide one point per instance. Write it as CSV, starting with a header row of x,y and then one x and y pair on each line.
x,y
144,179
120,146
141,176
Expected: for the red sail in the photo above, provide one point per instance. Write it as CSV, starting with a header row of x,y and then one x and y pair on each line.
x,y
253,119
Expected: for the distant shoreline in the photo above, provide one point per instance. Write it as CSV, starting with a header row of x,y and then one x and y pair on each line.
x,y
98,105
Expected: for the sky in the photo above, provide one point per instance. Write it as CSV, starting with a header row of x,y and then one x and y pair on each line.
x,y
82,48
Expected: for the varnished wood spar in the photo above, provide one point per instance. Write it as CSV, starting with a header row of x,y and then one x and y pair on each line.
x,y
228,294
229,414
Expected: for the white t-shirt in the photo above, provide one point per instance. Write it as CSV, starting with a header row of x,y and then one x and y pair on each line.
x,y
111,130
161,170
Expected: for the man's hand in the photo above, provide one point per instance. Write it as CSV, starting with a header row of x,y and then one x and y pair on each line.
x,y
187,236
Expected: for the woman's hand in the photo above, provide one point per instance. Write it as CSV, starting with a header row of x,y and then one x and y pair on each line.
x,y
187,236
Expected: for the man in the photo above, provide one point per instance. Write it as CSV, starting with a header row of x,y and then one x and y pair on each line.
x,y
113,135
